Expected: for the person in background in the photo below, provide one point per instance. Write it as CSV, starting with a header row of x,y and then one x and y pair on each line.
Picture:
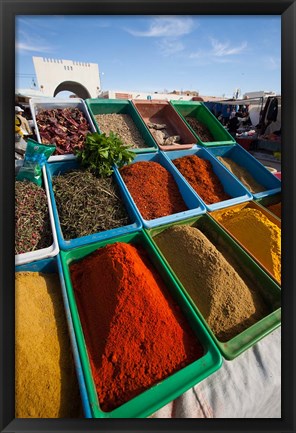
x,y
22,122
232,114
233,124
225,114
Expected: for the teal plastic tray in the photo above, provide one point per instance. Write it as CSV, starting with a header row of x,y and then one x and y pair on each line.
x,y
248,268
121,106
243,158
201,113
192,200
170,388
58,168
237,191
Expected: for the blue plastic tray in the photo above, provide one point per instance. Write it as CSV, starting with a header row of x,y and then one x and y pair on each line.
x,y
55,169
231,185
193,202
260,173
54,265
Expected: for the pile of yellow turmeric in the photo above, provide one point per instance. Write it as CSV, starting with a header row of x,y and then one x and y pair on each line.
x,y
260,236
45,379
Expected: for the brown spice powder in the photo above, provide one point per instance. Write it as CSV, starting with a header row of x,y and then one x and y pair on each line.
x,y
228,305
276,209
242,174
45,378
200,129
124,126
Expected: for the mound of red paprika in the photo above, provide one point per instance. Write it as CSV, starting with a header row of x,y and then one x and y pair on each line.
x,y
153,189
134,331
201,176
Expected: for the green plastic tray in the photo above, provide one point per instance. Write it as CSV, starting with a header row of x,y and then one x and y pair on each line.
x,y
268,201
121,106
170,388
200,112
247,267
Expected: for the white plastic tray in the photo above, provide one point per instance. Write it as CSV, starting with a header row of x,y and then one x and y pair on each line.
x,y
38,104
53,249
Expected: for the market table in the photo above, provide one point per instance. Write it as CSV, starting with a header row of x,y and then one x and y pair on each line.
x,y
245,142
247,387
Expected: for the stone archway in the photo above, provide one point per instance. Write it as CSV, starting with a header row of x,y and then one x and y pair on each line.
x,y
74,87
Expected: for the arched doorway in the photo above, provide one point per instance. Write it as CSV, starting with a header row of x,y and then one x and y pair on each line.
x,y
74,87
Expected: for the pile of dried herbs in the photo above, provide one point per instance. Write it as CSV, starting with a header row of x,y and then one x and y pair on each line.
x,y
32,222
87,204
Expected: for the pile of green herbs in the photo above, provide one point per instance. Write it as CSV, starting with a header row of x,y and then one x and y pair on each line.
x,y
101,152
87,204
32,222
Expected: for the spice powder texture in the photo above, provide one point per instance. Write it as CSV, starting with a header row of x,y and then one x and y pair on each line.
x,y
123,125
228,305
45,378
242,174
125,312
199,173
276,209
258,234
153,188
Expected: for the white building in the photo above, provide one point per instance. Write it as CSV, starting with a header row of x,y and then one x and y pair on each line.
x,y
120,94
185,96
56,75
258,94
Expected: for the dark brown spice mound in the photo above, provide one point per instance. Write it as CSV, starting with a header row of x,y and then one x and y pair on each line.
x,y
200,129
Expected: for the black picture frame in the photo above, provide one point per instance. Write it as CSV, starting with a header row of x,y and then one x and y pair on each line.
x,y
9,9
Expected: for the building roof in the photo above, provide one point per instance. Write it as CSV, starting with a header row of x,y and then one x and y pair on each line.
x,y
29,92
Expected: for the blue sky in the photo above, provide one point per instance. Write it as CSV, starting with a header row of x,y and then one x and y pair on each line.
x,y
213,55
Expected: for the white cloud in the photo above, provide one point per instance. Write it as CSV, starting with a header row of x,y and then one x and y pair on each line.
x,y
28,43
220,52
23,46
170,46
165,27
224,49
272,63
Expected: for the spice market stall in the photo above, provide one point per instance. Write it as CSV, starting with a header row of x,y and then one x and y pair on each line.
x,y
170,313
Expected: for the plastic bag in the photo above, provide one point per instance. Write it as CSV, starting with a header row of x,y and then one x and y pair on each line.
x,y
20,146
35,157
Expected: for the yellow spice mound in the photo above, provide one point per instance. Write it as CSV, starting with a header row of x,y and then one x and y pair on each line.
x,y
45,379
257,234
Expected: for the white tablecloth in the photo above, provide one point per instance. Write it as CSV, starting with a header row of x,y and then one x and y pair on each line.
x,y
247,387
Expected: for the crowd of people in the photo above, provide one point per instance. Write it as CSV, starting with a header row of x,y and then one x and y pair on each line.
x,y
236,120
